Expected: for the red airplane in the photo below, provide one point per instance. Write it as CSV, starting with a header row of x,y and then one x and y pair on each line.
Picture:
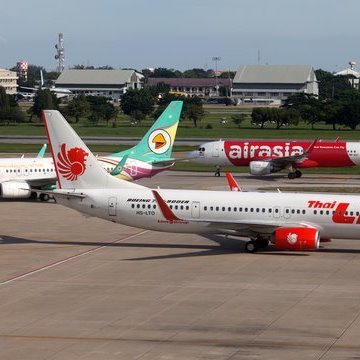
x,y
269,156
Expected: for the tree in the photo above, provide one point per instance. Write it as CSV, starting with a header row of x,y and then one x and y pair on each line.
x,y
259,117
195,73
9,109
137,103
330,85
238,119
44,100
163,73
4,99
192,107
307,105
159,89
100,109
78,107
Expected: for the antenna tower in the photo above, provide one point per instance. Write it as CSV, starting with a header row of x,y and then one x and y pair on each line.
x,y
60,53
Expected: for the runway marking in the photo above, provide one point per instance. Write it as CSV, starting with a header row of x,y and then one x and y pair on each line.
x,y
63,261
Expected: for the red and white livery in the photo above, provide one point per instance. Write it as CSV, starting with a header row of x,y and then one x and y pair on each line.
x,y
291,221
269,156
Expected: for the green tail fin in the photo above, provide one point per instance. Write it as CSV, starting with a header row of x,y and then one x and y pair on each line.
x,y
158,142
42,151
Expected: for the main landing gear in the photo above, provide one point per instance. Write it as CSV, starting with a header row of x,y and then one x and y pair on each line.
x,y
254,245
217,170
294,174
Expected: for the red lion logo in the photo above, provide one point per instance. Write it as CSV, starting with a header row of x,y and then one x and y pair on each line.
x,y
71,164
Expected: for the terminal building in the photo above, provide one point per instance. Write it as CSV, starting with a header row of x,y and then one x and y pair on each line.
x,y
352,74
108,83
202,87
8,80
272,84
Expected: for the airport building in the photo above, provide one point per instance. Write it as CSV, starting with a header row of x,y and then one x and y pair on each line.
x,y
109,83
202,87
352,74
272,84
8,80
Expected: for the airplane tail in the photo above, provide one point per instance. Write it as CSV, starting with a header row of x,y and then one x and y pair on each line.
x,y
76,167
42,151
42,79
158,142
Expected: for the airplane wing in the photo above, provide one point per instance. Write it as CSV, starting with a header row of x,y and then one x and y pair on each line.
x,y
36,183
167,162
239,227
62,194
284,161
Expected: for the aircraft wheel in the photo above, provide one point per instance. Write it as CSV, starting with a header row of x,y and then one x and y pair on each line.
x,y
291,175
298,173
251,246
44,197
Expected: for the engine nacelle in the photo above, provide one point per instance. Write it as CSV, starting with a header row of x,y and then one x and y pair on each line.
x,y
15,190
296,239
260,167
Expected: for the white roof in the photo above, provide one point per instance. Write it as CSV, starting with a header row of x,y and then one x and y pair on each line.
x,y
95,77
348,72
274,74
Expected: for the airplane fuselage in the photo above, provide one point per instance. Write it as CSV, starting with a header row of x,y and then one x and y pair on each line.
x,y
335,216
243,152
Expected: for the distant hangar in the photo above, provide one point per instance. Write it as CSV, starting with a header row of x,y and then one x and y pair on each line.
x,y
109,83
272,84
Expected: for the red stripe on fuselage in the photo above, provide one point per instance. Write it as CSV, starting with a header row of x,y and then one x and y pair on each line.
x,y
324,153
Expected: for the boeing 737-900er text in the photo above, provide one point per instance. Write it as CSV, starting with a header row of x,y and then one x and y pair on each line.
x,y
291,221
149,157
269,156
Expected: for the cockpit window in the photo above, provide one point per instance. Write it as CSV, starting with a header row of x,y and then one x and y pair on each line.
x,y
201,149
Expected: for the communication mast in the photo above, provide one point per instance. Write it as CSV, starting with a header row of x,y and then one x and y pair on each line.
x,y
60,53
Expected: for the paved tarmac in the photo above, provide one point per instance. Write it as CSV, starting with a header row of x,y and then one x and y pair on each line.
x,y
74,287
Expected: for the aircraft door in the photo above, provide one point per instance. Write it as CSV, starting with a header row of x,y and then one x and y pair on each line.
x,y
195,209
112,205
133,169
216,149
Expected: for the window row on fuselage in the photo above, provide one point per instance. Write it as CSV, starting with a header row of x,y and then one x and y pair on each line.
x,y
31,170
241,209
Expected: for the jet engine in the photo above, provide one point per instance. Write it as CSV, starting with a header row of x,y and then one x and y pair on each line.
x,y
261,167
296,239
15,190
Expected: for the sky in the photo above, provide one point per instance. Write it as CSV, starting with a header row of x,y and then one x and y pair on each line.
x,y
181,34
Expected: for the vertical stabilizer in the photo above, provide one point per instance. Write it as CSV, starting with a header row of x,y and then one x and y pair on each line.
x,y
76,167
158,142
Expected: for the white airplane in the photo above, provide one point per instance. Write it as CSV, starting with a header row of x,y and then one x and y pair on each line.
x,y
149,157
291,221
59,92
19,175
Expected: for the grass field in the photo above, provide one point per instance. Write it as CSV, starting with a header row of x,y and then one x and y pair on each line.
x,y
211,126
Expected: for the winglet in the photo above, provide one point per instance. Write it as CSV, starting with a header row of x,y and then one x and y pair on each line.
x,y
232,182
165,210
311,147
42,151
120,166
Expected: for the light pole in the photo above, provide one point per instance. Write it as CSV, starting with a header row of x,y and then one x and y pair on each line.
x,y
216,59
